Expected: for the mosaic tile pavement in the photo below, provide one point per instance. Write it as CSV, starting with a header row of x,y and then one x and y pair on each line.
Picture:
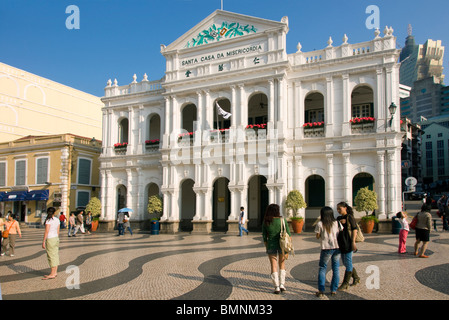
x,y
102,266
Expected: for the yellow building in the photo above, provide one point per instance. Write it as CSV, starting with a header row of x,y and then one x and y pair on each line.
x,y
25,97
37,172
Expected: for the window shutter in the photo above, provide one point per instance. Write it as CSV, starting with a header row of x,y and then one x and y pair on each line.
x,y
2,174
83,199
20,172
42,170
84,171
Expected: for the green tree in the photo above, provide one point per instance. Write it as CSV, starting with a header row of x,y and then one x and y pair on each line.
x,y
366,200
295,201
94,206
155,206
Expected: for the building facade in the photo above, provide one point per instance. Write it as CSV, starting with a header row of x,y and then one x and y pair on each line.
x,y
38,172
25,97
236,121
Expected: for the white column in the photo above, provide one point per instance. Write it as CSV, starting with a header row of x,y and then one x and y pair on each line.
x,y
111,202
142,131
271,106
234,117
329,107
391,183
166,139
346,127
131,136
381,184
330,181
347,179
103,199
199,113
243,107
111,134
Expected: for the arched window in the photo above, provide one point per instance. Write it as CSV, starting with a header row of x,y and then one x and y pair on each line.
x,y
362,102
258,109
219,121
314,108
123,131
189,117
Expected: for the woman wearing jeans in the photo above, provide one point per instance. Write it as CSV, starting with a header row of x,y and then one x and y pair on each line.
x,y
347,220
327,230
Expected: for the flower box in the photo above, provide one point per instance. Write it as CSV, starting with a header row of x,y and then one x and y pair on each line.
x,y
253,131
152,142
121,146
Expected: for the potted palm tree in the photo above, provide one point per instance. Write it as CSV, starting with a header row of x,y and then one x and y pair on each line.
x,y
366,200
94,206
155,210
294,202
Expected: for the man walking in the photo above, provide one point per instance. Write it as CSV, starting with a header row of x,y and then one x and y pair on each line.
x,y
242,220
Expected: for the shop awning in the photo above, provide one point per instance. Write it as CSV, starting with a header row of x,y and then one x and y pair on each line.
x,y
37,195
13,196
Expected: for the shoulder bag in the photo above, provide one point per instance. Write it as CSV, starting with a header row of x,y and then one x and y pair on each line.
x,y
359,237
412,224
5,233
285,241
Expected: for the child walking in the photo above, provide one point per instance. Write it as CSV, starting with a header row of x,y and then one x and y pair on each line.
x,y
402,216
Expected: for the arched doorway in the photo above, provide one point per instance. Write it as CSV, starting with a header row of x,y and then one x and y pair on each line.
x,y
315,191
257,202
121,198
187,205
221,204
360,181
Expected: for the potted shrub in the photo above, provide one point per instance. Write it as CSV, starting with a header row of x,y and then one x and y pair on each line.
x,y
155,211
366,200
94,206
294,202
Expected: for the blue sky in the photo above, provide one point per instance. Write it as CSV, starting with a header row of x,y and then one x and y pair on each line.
x,y
119,38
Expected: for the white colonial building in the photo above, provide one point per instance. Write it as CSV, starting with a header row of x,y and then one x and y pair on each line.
x,y
318,122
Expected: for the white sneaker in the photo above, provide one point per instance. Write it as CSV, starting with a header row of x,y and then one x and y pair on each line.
x,y
11,255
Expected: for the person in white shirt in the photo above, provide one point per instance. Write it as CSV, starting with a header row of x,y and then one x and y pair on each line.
x,y
327,230
402,218
51,242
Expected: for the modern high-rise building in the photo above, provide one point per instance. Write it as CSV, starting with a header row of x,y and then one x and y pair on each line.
x,y
420,61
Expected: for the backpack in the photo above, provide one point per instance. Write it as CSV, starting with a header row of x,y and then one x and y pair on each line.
x,y
285,241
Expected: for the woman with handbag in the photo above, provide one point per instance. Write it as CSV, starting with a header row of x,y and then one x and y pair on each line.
x,y
327,229
271,233
12,229
347,244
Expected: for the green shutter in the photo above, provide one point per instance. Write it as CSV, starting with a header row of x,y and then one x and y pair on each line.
x,y
84,171
83,199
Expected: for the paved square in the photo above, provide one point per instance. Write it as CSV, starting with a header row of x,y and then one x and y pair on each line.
x,y
214,267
